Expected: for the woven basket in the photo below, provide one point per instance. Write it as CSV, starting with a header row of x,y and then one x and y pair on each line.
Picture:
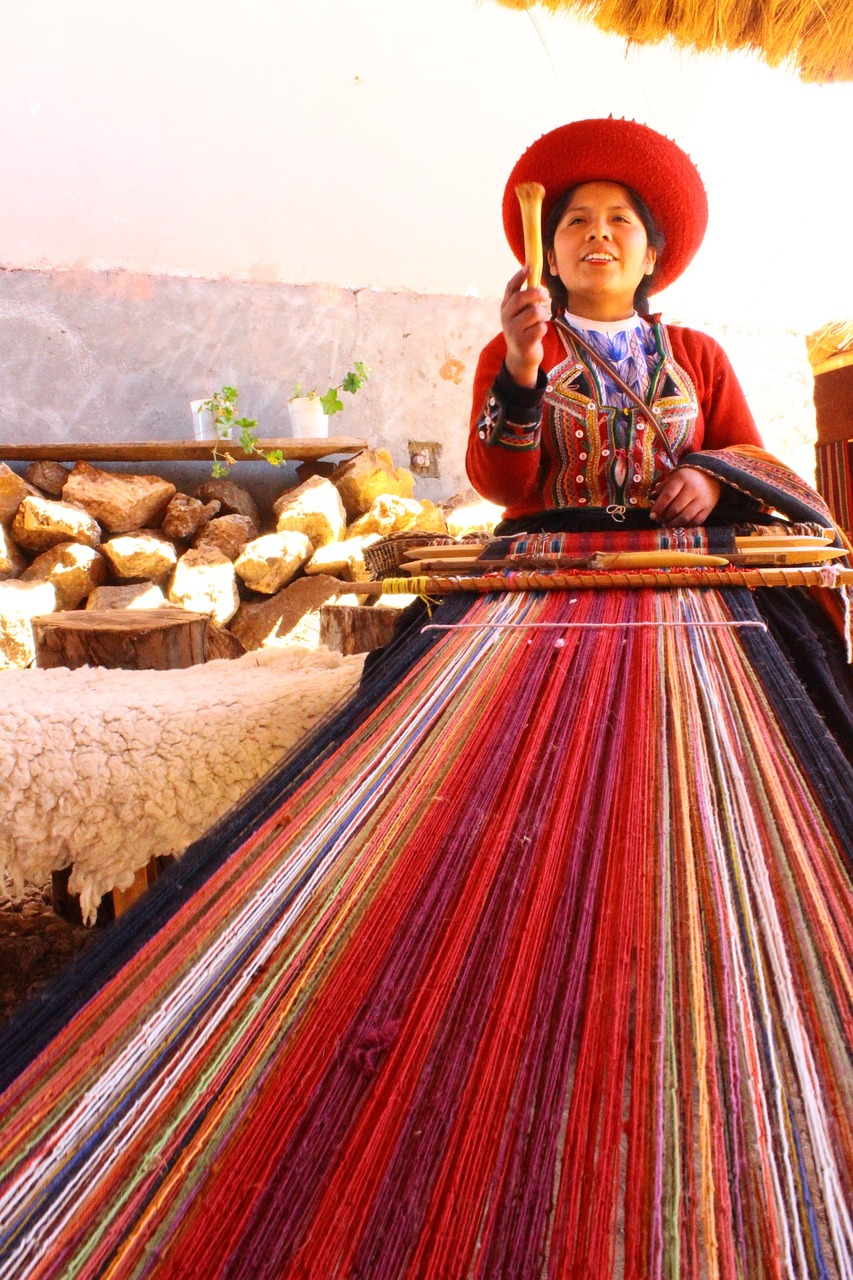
x,y
384,558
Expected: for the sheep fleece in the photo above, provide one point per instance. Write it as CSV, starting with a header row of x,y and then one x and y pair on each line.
x,y
102,769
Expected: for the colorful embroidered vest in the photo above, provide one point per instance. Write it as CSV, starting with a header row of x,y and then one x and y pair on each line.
x,y
598,456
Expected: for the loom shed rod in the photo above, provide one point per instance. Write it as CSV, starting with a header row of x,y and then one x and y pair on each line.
x,y
771,555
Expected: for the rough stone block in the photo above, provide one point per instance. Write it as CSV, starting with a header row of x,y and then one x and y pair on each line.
x,y
204,582
136,595
48,476
41,523
74,570
228,534
313,508
12,559
222,643
13,490
390,513
290,617
19,603
370,473
467,512
233,499
143,556
120,503
185,516
343,559
269,563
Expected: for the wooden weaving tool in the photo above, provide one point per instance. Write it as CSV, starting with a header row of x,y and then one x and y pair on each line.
x,y
598,560
530,196
757,543
772,555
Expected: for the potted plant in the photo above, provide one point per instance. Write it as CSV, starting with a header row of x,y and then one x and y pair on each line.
x,y
228,427
222,407
310,411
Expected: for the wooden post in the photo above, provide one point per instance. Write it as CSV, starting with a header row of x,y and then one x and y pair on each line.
x,y
124,898
135,639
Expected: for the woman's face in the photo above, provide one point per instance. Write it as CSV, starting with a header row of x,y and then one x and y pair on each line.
x,y
601,252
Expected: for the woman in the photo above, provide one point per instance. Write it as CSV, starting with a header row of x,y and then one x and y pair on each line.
x,y
590,414
624,211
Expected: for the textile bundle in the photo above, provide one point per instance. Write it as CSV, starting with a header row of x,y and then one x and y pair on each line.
x,y
835,480
831,356
720,541
536,963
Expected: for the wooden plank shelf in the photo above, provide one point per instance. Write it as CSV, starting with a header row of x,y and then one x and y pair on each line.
x,y
179,450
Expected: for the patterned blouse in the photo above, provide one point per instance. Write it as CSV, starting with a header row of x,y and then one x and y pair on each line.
x,y
629,346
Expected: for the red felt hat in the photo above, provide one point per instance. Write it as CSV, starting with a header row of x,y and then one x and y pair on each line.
x,y
630,154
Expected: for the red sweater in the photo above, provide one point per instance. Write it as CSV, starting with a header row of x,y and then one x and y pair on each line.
x,y
559,447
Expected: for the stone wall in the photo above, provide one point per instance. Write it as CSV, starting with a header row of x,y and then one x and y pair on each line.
x,y
114,356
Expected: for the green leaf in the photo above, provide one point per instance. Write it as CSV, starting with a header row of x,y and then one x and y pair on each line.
x,y
274,456
331,401
219,470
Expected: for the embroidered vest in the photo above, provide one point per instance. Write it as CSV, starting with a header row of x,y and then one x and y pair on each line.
x,y
598,456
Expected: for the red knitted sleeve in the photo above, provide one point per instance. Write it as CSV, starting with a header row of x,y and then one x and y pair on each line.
x,y
727,418
504,455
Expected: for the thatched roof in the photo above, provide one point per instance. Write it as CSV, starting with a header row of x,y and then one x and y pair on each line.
x,y
816,37
831,347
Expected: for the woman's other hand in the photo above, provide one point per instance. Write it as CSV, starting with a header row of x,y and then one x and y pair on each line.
x,y
686,497
524,315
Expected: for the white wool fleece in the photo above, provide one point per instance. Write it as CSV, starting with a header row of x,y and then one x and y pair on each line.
x,y
103,769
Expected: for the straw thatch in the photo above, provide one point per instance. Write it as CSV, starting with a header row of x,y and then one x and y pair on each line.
x,y
831,346
816,37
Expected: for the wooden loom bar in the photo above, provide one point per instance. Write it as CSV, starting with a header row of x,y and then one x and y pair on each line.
x,y
661,579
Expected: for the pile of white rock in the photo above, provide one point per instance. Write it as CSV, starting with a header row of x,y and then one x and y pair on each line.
x,y
82,537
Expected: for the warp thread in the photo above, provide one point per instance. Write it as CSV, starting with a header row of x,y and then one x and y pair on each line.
x,y
391,1038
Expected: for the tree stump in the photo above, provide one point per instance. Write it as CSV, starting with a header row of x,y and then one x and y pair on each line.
x,y
357,628
135,639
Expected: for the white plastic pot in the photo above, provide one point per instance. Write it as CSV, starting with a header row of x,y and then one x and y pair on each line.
x,y
307,419
204,427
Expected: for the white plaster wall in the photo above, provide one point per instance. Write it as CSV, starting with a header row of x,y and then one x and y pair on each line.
x,y
367,143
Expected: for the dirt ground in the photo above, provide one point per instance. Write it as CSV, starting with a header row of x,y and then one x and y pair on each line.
x,y
35,945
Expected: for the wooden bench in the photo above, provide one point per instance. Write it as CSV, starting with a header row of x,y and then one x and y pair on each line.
x,y
292,449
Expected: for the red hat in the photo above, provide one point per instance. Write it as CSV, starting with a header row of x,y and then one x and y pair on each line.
x,y
630,154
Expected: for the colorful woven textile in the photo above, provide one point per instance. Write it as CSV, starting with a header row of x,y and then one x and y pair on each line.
x,y
541,969
835,480
761,476
717,541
